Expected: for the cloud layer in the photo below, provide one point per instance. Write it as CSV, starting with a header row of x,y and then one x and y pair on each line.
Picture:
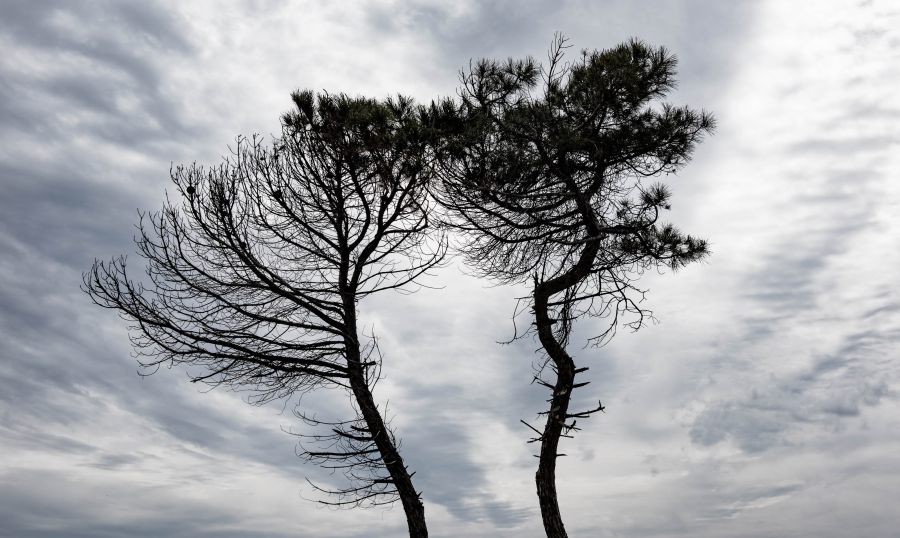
x,y
764,404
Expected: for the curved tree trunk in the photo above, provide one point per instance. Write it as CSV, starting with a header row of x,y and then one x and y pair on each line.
x,y
556,418
557,415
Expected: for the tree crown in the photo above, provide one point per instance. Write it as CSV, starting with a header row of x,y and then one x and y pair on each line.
x,y
254,276
544,170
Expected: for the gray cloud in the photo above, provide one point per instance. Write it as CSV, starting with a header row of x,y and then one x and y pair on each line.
x,y
451,478
831,389
749,499
793,361
87,60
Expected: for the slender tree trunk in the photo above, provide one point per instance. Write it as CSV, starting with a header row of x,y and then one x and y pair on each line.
x,y
409,498
545,477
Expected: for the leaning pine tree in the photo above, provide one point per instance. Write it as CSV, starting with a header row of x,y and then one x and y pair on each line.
x,y
255,278
544,173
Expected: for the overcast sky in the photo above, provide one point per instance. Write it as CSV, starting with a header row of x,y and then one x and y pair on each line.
x,y
764,403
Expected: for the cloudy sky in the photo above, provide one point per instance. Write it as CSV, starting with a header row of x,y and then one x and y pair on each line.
x,y
764,403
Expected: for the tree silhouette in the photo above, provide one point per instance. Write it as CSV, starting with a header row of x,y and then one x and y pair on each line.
x,y
543,171
255,277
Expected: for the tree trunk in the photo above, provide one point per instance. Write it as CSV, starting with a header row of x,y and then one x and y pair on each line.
x,y
409,498
545,477
412,504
